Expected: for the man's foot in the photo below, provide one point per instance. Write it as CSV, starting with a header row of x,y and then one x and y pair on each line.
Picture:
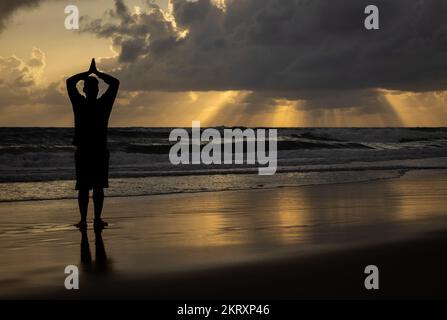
x,y
81,225
99,224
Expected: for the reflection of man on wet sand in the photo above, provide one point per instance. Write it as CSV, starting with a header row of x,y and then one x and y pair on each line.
x,y
101,264
92,156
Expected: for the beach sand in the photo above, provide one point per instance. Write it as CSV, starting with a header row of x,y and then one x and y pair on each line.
x,y
285,243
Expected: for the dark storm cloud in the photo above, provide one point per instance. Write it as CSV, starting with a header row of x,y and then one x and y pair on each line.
x,y
297,46
8,7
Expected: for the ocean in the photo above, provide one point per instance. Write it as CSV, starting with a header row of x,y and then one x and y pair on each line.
x,y
38,163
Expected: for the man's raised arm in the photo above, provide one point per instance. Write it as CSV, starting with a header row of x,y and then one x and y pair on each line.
x,y
71,84
72,81
107,78
112,82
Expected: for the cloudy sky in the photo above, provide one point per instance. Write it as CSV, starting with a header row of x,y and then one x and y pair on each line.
x,y
230,62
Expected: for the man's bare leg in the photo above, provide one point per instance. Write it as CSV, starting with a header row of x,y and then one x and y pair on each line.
x,y
83,198
98,201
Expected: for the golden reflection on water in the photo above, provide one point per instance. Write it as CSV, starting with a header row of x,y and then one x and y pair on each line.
x,y
282,216
264,217
424,197
293,216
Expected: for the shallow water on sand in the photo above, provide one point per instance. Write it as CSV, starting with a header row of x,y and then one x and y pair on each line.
x,y
169,233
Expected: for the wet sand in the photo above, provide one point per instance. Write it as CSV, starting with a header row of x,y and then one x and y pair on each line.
x,y
297,242
412,269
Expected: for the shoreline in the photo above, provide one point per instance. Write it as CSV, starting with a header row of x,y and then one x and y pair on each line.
x,y
159,246
401,174
398,171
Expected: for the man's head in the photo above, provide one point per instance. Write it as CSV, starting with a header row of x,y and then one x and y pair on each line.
x,y
91,87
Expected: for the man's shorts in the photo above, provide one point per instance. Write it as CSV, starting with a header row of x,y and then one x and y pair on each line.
x,y
92,168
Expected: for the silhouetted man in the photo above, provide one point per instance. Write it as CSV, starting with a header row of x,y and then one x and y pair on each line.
x,y
92,156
